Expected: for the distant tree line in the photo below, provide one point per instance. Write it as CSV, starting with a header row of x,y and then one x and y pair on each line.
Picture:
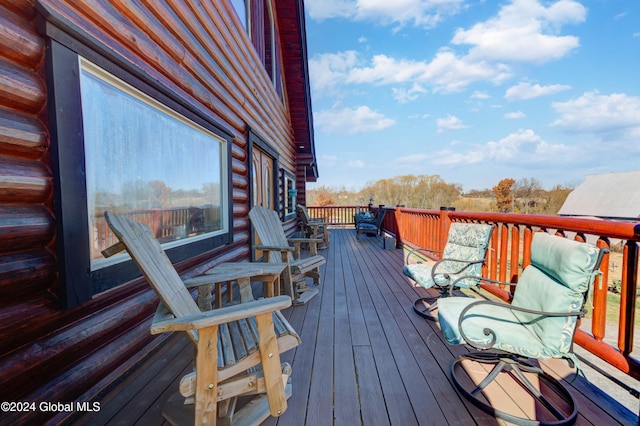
x,y
431,192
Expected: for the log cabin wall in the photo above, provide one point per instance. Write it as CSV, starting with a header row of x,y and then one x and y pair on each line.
x,y
197,50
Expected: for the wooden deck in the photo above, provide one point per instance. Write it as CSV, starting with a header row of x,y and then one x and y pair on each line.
x,y
365,357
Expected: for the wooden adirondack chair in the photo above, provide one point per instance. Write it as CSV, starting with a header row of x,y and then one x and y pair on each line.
x,y
273,239
230,341
313,228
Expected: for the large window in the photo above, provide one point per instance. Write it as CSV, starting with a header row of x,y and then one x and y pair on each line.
x,y
147,161
123,145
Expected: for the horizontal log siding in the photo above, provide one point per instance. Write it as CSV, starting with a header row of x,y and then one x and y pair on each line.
x,y
197,51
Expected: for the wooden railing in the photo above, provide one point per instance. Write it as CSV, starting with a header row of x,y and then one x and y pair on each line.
x,y
335,215
167,224
510,252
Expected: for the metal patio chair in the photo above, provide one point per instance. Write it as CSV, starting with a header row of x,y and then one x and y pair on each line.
x,y
539,324
463,255
370,226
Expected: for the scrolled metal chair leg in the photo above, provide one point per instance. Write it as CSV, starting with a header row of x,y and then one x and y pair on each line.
x,y
555,414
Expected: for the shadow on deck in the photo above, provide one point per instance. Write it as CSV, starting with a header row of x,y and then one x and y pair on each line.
x,y
365,357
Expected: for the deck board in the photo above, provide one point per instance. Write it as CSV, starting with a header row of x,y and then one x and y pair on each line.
x,y
365,357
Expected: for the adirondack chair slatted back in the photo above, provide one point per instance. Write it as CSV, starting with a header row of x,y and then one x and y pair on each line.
x,y
269,229
304,214
148,255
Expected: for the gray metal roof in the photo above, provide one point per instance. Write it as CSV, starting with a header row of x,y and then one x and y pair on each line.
x,y
610,195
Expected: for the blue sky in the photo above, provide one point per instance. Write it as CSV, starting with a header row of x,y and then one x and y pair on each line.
x,y
474,90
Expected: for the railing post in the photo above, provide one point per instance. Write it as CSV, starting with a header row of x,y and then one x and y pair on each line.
x,y
398,218
600,291
628,291
445,222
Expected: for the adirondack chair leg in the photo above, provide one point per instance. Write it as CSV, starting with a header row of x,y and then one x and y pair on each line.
x,y
204,297
226,410
206,381
297,251
315,274
304,293
271,365
287,280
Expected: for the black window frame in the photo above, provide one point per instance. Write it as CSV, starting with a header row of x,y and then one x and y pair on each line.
x,y
289,201
77,282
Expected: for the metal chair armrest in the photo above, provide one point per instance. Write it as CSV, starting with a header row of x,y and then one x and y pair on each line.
x,y
489,332
420,249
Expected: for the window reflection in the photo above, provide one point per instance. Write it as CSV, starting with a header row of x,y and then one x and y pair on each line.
x,y
267,188
148,162
290,194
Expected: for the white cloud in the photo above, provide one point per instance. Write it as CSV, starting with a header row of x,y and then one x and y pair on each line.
x,y
513,146
451,73
422,13
351,121
407,95
330,69
386,70
326,9
480,95
612,117
524,30
451,158
356,164
446,72
449,123
515,115
526,144
329,160
411,160
517,146
523,91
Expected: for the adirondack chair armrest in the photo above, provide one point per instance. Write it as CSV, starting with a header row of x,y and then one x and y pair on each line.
x,y
317,222
273,248
199,281
305,240
313,245
221,315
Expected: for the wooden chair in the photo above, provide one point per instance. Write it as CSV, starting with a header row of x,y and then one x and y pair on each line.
x,y
313,228
273,239
237,347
